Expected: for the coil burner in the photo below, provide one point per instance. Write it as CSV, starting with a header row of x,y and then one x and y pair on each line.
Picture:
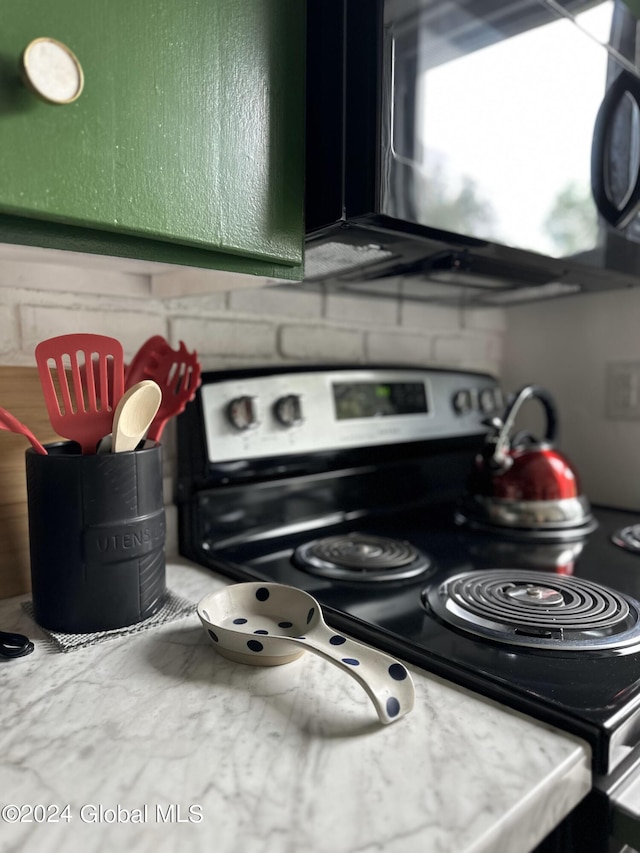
x,y
628,538
540,611
361,557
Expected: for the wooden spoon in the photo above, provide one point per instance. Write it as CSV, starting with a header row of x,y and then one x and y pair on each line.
x,y
134,414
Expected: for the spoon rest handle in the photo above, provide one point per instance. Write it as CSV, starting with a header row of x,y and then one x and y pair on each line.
x,y
386,681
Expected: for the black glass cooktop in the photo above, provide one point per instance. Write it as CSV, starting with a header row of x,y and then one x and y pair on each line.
x,y
583,680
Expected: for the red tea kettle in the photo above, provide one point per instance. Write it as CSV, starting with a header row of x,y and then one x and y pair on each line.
x,y
524,484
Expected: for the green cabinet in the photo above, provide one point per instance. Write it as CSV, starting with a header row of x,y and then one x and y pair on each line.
x,y
185,145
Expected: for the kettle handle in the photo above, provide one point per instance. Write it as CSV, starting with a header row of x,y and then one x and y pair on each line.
x,y
497,449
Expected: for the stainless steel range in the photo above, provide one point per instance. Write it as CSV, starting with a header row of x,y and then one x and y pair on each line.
x,y
351,483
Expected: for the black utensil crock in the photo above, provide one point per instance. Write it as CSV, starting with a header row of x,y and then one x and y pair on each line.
x,y
96,537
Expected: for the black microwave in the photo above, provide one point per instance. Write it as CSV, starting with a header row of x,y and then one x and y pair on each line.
x,y
472,150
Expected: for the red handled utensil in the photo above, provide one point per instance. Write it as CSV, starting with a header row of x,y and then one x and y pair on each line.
x,y
12,424
137,368
81,401
177,372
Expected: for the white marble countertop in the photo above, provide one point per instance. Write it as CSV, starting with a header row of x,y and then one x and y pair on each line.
x,y
277,759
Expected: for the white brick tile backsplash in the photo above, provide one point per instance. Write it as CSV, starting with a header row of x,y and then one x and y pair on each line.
x,y
399,348
247,327
321,343
224,337
240,327
85,301
234,362
131,328
426,315
274,301
198,306
475,352
71,279
9,330
190,281
495,351
485,319
361,311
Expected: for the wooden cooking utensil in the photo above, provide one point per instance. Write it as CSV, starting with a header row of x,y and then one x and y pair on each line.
x,y
81,402
134,413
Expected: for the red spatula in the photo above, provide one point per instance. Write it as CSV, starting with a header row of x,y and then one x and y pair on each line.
x,y
81,401
177,372
146,356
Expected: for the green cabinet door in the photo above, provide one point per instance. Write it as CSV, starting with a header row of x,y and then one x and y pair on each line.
x,y
185,145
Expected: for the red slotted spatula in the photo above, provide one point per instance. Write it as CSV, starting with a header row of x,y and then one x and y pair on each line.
x,y
81,401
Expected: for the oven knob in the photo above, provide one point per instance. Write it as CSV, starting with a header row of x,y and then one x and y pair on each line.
x,y
487,400
462,402
288,410
242,413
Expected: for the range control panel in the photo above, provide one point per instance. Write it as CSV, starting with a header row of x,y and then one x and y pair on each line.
x,y
306,412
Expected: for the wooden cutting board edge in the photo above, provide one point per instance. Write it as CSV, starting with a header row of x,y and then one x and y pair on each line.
x,y
20,394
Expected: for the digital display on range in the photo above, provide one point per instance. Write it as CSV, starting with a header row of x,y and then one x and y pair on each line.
x,y
378,399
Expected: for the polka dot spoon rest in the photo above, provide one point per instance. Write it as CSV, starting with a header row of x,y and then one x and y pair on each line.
x,y
268,624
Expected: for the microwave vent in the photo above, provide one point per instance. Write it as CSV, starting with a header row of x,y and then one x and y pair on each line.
x,y
328,259
530,294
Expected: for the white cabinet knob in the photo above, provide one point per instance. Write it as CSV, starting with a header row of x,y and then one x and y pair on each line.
x,y
52,71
